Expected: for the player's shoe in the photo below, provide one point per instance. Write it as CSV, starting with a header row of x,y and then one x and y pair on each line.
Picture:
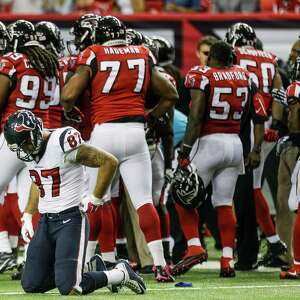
x,y
274,250
131,279
163,274
5,261
227,267
96,263
292,273
195,255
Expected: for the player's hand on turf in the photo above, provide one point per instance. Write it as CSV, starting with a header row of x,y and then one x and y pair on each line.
x,y
27,228
74,115
252,160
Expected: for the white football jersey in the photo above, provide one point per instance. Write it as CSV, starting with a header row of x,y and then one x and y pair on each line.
x,y
61,183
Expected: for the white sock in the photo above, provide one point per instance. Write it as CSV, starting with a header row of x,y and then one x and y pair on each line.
x,y
157,252
273,238
4,242
109,256
13,239
194,242
296,262
227,252
114,276
90,250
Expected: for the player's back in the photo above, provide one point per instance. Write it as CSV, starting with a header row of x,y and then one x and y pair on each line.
x,y
120,79
226,91
262,67
60,183
29,89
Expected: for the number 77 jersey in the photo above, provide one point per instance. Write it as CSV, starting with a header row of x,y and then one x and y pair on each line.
x,y
227,92
121,76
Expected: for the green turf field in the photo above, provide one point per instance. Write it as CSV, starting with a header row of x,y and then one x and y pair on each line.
x,y
255,285
206,285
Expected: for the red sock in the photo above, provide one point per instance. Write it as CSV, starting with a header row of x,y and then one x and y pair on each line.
x,y
226,224
3,218
296,236
149,222
95,224
189,220
106,236
263,216
12,201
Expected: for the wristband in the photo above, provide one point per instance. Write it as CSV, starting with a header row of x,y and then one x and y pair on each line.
x,y
27,217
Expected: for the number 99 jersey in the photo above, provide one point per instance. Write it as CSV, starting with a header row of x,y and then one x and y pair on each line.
x,y
262,68
29,89
121,76
61,183
227,92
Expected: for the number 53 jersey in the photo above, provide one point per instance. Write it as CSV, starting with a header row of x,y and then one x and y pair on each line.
x,y
60,183
226,92
120,79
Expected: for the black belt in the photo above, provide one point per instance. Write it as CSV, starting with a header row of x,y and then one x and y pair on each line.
x,y
63,214
129,119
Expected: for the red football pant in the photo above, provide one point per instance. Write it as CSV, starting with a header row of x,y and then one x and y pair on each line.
x,y
263,216
226,224
189,220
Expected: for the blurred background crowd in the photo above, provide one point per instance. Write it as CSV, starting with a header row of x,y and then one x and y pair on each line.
x,y
149,6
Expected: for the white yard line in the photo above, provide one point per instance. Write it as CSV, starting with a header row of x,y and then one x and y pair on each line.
x,y
183,289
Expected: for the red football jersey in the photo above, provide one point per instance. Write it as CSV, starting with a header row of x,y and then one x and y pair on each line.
x,y
262,67
227,92
121,76
293,92
29,89
66,64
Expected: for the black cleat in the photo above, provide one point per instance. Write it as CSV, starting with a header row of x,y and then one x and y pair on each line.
x,y
131,279
273,252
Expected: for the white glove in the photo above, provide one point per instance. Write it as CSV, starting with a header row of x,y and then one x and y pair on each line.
x,y
90,203
27,228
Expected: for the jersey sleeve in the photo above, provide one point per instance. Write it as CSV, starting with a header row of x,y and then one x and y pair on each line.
x,y
88,58
7,67
70,139
197,78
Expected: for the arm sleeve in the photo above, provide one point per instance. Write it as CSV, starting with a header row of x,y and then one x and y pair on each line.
x,y
196,80
70,139
88,58
7,68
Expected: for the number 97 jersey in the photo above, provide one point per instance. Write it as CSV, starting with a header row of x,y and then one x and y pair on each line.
x,y
29,90
120,80
226,93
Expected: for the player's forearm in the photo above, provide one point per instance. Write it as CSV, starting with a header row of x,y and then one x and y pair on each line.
x,y
33,201
277,111
164,105
259,130
167,142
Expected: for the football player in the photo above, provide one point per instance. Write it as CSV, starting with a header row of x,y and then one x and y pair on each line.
x,y
102,222
220,94
119,76
27,79
293,101
56,252
48,35
262,66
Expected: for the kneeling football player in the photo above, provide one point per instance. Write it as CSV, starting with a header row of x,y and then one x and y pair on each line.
x,y
56,252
